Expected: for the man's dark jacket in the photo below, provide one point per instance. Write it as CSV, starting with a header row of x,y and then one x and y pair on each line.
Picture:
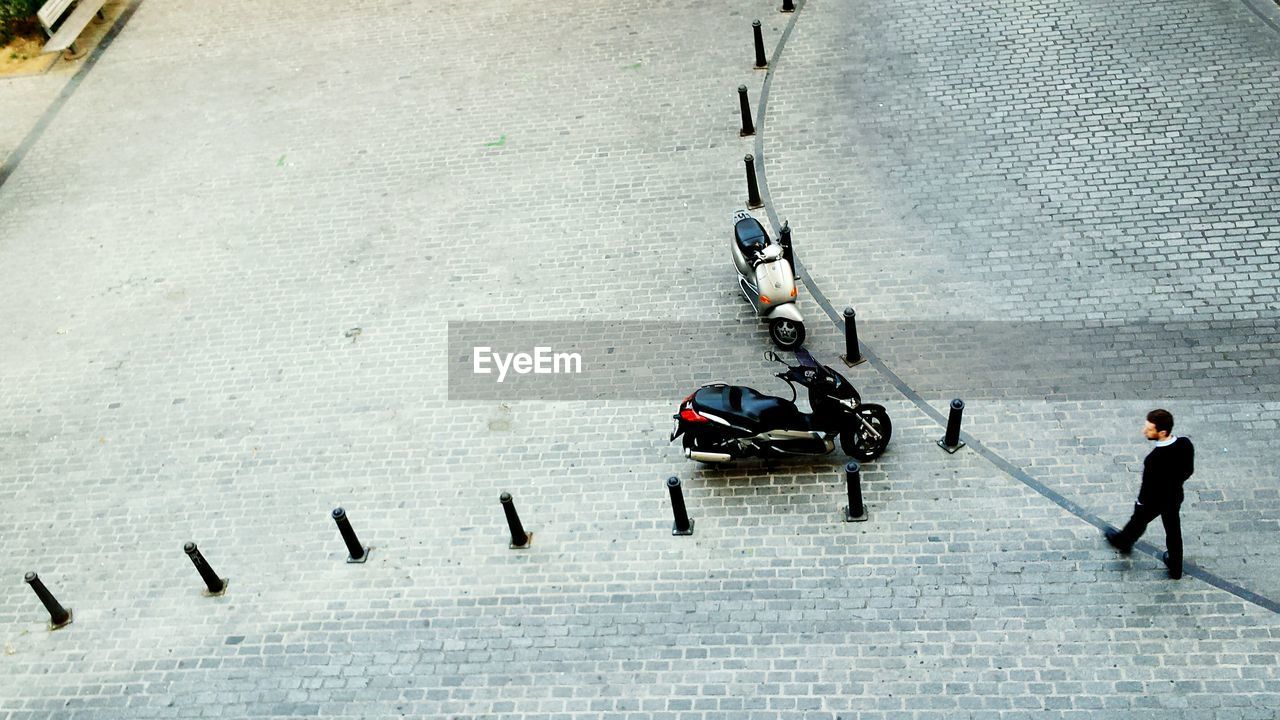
x,y
1164,471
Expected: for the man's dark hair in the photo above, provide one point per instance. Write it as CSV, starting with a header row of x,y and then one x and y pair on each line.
x,y
1162,419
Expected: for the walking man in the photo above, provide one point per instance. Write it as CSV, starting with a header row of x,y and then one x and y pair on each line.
x,y
1164,471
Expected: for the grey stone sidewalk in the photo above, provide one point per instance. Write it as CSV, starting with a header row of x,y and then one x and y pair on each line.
x,y
26,98
23,100
1062,164
237,188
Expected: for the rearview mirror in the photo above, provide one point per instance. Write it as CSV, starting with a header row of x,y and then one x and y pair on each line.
x,y
772,356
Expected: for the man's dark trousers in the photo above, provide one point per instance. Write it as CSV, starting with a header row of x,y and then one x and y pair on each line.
x,y
1144,514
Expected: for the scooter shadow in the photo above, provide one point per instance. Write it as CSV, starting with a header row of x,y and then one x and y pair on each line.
x,y
804,486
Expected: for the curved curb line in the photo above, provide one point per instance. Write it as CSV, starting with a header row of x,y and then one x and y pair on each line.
x,y
901,386
15,158
1266,10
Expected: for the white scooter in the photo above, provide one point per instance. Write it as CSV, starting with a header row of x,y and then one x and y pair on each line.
x,y
766,278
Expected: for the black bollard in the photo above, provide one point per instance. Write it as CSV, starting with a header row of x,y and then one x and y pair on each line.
x,y
852,350
951,441
217,586
753,190
761,62
748,128
683,525
519,538
784,239
358,553
855,511
788,6
58,615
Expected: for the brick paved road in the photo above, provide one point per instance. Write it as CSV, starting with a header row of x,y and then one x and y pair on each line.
x,y
1064,164
250,183
23,100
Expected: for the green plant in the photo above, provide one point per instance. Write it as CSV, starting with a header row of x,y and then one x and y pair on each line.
x,y
16,16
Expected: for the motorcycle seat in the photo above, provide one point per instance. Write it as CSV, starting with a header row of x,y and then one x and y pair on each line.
x,y
747,407
750,236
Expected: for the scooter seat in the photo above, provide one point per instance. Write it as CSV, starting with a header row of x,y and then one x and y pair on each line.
x,y
750,236
748,408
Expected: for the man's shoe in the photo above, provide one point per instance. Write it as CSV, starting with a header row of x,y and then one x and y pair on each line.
x,y
1111,540
1173,574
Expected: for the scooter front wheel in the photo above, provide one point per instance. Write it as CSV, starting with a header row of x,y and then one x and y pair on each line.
x,y
787,334
867,434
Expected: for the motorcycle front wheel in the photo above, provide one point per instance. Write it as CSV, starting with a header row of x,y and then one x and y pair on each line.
x,y
786,334
857,440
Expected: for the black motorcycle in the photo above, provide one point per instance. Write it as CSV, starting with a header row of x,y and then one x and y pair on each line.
x,y
721,423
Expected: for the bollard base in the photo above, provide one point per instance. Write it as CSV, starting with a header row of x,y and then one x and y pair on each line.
x,y
852,363
675,530
855,518
360,559
754,205
527,542
744,133
220,593
58,626
942,443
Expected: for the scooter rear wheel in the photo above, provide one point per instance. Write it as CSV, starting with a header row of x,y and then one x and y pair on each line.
x,y
787,334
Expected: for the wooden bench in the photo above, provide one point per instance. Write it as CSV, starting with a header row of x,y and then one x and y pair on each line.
x,y
64,38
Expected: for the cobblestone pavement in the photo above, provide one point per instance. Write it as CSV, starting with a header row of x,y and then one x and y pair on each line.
x,y
1062,164
23,101
227,270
